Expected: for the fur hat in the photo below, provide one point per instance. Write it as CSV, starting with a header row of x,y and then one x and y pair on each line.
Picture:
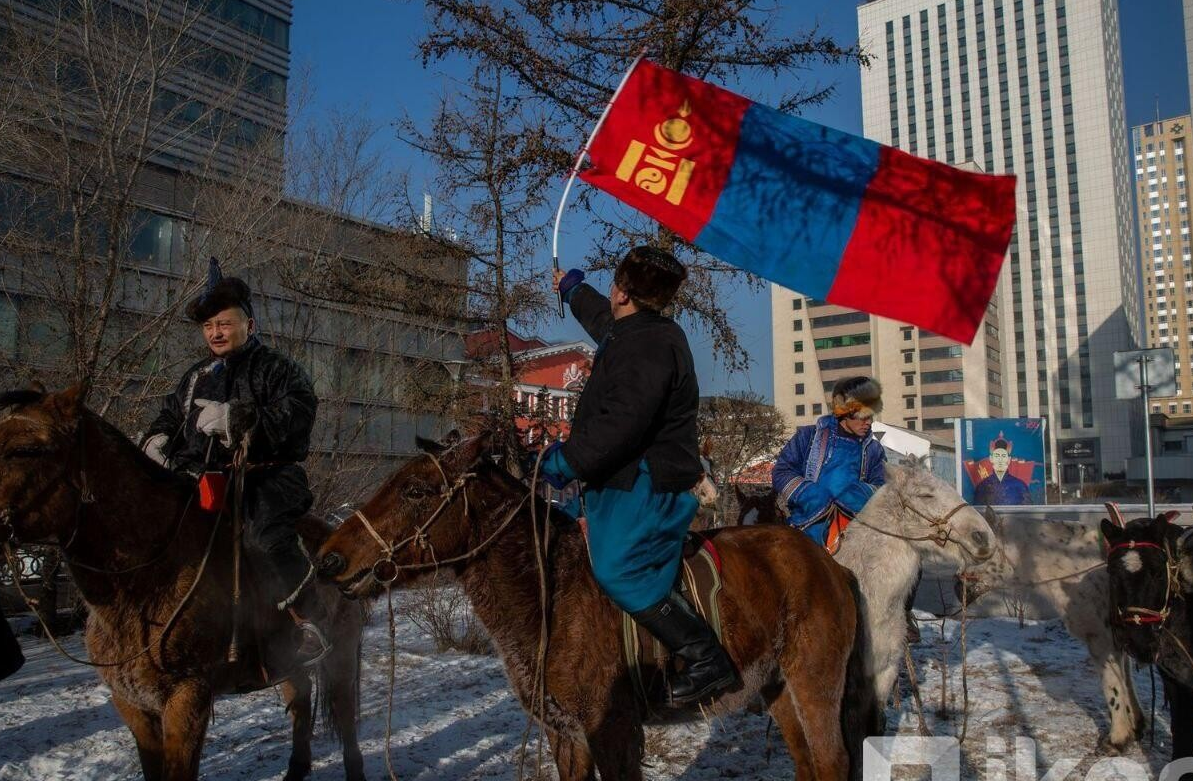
x,y
1001,443
219,294
857,394
650,277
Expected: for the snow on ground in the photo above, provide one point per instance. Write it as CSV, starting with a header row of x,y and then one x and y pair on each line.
x,y
454,717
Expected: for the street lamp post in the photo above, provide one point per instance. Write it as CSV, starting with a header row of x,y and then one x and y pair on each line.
x,y
1144,359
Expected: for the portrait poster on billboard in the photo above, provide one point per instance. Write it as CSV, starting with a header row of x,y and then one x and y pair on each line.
x,y
1001,460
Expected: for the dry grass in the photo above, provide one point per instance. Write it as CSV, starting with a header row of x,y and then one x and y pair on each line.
x,y
440,608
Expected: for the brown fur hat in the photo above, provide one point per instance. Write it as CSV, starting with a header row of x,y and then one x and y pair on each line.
x,y
857,394
650,277
220,293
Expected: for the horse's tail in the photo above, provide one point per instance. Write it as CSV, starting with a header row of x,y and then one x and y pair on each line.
x,y
861,714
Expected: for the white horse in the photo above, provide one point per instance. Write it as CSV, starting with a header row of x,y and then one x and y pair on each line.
x,y
914,517
1057,566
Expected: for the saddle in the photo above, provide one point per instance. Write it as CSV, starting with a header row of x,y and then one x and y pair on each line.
x,y
649,662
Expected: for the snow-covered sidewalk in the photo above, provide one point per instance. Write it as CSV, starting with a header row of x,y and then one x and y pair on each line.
x,y
454,717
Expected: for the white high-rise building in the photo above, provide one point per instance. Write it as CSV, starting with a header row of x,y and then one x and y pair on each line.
x,y
1034,88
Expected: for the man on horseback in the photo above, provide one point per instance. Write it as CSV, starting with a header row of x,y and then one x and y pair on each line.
x,y
832,468
633,443
246,394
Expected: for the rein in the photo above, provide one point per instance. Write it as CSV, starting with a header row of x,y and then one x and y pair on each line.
x,y
386,570
1134,615
942,531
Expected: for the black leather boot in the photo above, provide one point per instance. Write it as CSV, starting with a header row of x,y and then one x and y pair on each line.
x,y
707,668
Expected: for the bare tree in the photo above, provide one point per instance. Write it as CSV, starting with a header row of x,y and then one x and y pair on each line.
x,y
565,57
739,429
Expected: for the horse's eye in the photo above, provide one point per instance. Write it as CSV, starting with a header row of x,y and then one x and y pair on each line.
x,y
26,452
416,492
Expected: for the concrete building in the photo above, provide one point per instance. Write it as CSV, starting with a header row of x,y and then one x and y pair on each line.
x,y
1166,249
238,59
1032,88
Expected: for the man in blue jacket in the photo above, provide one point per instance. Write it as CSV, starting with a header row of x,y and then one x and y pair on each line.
x,y
633,444
834,465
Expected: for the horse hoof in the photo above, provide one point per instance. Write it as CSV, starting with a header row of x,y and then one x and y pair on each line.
x,y
297,771
1109,748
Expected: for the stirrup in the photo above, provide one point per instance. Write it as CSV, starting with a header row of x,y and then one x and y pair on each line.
x,y
312,632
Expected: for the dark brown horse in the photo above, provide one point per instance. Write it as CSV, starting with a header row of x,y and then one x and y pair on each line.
x,y
156,574
787,609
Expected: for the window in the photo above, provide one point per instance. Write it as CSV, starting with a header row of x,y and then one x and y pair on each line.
x,y
817,409
842,319
799,347
799,367
799,410
948,375
943,399
906,334
848,340
908,379
798,325
799,389
909,402
908,355
933,353
845,363
797,303
909,423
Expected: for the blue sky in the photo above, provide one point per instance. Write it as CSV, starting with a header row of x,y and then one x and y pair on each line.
x,y
361,55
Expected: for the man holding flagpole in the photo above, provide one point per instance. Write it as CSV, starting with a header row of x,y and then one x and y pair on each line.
x,y
633,443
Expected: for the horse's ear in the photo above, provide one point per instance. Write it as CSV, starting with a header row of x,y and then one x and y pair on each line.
x,y
993,519
1116,515
71,402
471,452
429,445
1170,516
451,439
1111,531
706,447
895,473
737,492
37,387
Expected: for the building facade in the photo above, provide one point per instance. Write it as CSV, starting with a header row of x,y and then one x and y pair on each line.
x,y
1165,249
928,380
363,360
1034,88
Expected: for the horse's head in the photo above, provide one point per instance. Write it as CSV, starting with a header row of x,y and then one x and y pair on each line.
x,y
422,515
995,571
934,519
1144,582
40,488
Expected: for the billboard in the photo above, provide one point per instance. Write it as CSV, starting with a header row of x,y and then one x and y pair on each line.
x,y
1001,460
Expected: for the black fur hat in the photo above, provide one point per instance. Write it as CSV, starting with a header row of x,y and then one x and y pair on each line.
x,y
857,394
650,276
220,293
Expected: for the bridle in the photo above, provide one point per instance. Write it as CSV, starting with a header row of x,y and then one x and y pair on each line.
x,y
1136,616
385,570
942,531
8,533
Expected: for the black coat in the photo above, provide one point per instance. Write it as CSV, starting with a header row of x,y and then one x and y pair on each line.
x,y
640,401
268,394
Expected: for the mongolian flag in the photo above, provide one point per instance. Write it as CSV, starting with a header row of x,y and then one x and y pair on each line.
x,y
832,215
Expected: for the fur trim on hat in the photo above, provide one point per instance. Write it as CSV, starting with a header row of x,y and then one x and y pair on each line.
x,y
852,395
226,293
650,277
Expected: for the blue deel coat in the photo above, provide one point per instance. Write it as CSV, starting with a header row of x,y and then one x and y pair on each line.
x,y
821,468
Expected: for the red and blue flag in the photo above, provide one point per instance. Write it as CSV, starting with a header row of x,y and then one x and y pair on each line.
x,y
832,215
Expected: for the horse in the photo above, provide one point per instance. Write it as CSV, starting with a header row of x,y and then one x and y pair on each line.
x,y
155,572
756,508
1149,567
914,516
787,611
1059,566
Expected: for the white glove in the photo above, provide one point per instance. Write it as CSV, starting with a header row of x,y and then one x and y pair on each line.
x,y
154,448
213,419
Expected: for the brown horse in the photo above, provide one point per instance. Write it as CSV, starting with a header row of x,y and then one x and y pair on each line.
x,y
787,609
156,573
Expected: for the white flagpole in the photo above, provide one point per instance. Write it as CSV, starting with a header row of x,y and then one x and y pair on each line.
x,y
576,167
